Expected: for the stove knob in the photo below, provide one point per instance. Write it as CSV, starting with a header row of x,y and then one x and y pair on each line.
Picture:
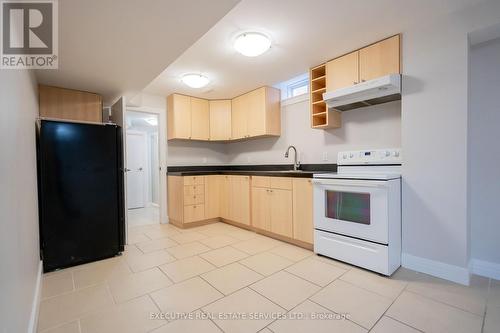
x,y
387,153
396,153
351,155
344,156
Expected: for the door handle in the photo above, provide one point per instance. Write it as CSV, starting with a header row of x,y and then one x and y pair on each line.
x,y
140,169
127,170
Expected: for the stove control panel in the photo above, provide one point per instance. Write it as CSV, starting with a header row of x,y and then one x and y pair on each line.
x,y
373,156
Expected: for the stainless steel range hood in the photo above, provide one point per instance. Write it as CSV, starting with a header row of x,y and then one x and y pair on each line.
x,y
381,90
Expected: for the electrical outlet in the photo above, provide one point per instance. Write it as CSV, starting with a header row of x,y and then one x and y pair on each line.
x,y
204,160
325,156
248,159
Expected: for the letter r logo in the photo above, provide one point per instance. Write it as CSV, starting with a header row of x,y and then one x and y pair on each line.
x,y
27,27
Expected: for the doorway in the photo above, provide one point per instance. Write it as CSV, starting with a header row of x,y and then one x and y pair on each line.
x,y
143,168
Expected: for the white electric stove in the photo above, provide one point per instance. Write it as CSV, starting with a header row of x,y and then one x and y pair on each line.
x,y
357,211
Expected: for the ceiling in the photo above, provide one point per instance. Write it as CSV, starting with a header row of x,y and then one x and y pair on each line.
x,y
305,33
116,47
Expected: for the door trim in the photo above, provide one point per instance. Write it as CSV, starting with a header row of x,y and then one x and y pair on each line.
x,y
162,147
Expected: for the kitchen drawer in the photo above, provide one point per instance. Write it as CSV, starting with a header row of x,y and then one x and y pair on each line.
x,y
194,189
282,183
194,213
258,181
194,199
194,180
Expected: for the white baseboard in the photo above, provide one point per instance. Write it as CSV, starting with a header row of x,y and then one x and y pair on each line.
x,y
35,306
485,268
436,268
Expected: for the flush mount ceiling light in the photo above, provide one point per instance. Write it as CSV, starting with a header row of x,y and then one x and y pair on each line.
x,y
195,80
252,44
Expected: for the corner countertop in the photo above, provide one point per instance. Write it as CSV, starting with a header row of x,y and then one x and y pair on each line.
x,y
268,170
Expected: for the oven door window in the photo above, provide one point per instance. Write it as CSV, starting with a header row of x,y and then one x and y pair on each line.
x,y
348,206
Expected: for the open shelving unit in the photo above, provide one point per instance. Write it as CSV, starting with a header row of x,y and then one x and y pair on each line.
x,y
321,117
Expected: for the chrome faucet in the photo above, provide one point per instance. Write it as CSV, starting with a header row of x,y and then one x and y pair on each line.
x,y
296,164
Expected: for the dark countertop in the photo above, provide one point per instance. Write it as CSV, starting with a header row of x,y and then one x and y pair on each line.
x,y
277,170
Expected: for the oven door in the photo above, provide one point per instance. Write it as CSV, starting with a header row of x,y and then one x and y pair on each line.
x,y
356,208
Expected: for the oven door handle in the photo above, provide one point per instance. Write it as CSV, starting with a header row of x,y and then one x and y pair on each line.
x,y
349,183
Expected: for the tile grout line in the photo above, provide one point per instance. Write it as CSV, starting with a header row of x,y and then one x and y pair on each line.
x,y
390,305
445,304
486,306
329,310
220,328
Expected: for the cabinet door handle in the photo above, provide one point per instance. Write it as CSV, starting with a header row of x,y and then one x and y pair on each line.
x,y
363,80
354,82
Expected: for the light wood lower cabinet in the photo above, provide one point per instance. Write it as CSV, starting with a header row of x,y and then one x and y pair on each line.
x,y
225,197
213,185
260,208
303,229
199,198
281,206
272,205
193,213
186,199
239,199
281,212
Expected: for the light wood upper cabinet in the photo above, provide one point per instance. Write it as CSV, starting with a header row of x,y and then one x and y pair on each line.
x,y
239,116
302,210
178,117
342,72
67,104
257,113
220,120
200,119
376,60
379,59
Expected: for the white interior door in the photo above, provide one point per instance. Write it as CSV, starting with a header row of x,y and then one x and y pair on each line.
x,y
136,173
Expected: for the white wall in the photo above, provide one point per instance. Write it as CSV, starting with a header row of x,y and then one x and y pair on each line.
x,y
484,152
19,244
372,127
196,153
434,141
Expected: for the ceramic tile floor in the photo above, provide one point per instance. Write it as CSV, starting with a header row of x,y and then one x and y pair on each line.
x,y
143,216
219,278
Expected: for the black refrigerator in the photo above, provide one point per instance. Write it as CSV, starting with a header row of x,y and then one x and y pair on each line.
x,y
80,191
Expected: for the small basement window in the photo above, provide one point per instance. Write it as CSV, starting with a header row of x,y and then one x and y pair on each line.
x,y
296,86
